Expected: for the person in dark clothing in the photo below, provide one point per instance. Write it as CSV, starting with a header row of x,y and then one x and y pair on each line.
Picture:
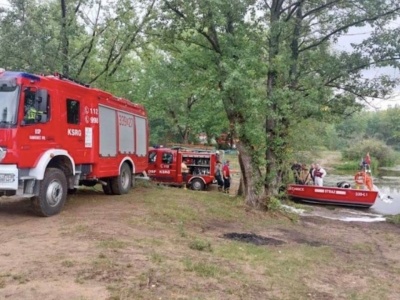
x,y
219,176
311,173
296,168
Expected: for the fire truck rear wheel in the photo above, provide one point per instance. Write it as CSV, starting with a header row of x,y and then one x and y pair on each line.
x,y
52,193
197,184
122,183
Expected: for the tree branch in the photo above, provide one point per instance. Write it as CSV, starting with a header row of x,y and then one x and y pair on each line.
x,y
347,26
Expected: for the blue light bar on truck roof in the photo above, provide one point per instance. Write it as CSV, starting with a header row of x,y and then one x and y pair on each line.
x,y
20,74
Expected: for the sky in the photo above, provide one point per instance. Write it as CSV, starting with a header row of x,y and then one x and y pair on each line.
x,y
357,35
4,3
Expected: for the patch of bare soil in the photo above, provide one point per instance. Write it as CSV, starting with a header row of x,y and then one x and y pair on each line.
x,y
106,247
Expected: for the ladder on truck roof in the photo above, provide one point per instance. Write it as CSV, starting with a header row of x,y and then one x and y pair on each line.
x,y
193,148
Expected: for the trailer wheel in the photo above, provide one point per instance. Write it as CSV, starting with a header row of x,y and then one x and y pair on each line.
x,y
122,183
107,188
52,193
197,184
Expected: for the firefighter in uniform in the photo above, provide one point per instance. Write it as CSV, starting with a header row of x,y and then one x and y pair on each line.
x,y
185,173
31,112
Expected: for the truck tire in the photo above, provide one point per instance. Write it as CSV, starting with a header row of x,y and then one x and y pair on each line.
x,y
107,188
52,193
123,182
197,184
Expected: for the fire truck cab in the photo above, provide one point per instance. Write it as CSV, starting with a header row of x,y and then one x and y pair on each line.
x,y
57,134
165,167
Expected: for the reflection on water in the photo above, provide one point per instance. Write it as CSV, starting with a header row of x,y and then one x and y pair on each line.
x,y
387,182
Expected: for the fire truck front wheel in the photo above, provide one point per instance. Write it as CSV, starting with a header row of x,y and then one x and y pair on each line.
x,y
122,183
52,193
197,184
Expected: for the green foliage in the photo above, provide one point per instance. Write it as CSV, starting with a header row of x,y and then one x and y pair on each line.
x,y
380,153
180,96
354,127
385,125
250,68
301,78
350,166
274,204
309,135
91,47
380,125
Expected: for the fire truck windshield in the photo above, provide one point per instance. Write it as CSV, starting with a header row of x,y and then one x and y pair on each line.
x,y
8,103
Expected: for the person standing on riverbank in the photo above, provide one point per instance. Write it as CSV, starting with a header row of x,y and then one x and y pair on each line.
x,y
226,172
319,173
218,176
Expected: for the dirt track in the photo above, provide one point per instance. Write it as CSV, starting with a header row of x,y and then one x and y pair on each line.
x,y
105,247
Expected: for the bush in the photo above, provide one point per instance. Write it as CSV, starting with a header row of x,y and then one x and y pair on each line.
x,y
380,153
274,204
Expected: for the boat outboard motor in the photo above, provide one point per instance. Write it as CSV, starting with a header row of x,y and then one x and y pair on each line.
x,y
344,184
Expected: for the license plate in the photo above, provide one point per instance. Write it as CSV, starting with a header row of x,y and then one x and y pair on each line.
x,y
7,178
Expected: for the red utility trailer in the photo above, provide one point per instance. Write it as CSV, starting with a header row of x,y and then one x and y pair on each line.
x,y
165,166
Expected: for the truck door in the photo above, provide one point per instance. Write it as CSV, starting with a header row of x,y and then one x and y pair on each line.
x,y
36,134
152,168
162,166
168,167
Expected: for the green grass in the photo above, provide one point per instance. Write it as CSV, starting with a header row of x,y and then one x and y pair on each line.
x,y
393,219
203,269
200,245
157,258
173,248
112,244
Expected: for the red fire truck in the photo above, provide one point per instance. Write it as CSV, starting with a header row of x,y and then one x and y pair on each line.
x,y
165,166
57,134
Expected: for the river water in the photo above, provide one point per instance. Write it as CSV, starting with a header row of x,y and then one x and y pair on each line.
x,y
386,181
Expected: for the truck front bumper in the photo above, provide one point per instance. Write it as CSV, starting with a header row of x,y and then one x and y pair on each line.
x,y
8,178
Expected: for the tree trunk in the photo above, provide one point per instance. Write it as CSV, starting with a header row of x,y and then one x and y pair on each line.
x,y
271,123
64,39
251,177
